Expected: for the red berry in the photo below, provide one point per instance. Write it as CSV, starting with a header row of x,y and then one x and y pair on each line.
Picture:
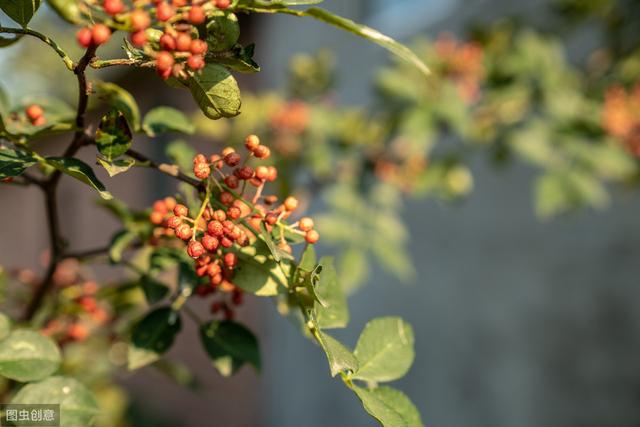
x,y
40,121
165,11
167,42
234,212
33,112
312,236
198,47
165,74
215,228
100,34
273,174
77,332
139,38
113,7
84,37
164,61
232,159
180,210
271,218
262,172
196,15
230,259
223,4
219,215
195,249
201,170
225,242
226,198
245,172
232,181
156,217
262,152
213,269
170,203
199,158
184,232
306,224
195,62
290,203
140,20
210,243
183,42
251,142
228,150
174,222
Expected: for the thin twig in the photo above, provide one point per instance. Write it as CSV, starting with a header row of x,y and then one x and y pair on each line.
x,y
171,170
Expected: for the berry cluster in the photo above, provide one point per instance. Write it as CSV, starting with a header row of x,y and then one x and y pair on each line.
x,y
229,219
176,19
35,114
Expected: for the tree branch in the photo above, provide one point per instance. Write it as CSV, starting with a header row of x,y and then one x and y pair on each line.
x,y
167,169
50,187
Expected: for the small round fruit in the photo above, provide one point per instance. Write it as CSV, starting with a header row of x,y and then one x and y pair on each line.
x,y
306,224
251,142
290,203
195,62
100,34
83,36
139,38
167,42
33,111
195,249
180,210
165,11
140,20
197,15
312,236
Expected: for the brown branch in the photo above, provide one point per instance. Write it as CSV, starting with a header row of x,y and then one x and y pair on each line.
x,y
167,169
50,187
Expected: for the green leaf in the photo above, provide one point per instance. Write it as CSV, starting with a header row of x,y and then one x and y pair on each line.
x,y
120,241
14,162
67,10
384,350
153,336
389,406
118,166
181,153
80,171
215,91
308,259
154,291
5,326
340,358
166,119
258,272
20,11
334,313
238,58
223,31
121,100
230,345
113,137
58,114
28,356
78,406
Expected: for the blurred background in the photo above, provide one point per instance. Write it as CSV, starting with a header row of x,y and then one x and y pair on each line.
x,y
519,321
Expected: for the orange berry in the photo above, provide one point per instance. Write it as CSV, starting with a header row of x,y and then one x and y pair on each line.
x,y
100,34
290,203
306,224
33,111
312,236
